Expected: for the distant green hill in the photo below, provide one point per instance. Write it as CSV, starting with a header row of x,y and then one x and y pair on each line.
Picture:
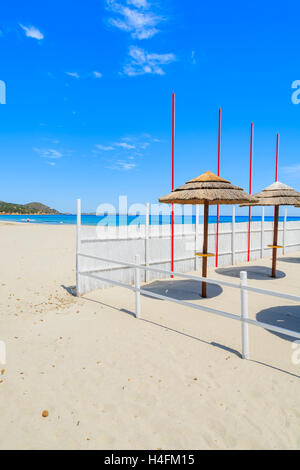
x,y
31,208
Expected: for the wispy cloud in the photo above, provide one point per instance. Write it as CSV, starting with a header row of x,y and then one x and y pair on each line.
x,y
105,148
135,17
145,145
97,74
125,153
125,146
73,74
139,3
48,153
87,75
123,165
32,32
292,170
142,62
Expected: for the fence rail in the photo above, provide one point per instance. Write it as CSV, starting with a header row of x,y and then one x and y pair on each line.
x,y
90,275
185,234
243,287
154,245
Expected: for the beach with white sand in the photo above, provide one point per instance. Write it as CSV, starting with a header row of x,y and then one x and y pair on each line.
x,y
149,228
172,380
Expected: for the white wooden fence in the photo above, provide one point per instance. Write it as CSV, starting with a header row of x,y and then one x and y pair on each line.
x,y
152,244
243,287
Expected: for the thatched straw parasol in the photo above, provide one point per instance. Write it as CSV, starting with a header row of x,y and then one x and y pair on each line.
x,y
208,189
277,194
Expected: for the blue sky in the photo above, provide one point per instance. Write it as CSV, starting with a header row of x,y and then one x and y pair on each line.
x,y
89,85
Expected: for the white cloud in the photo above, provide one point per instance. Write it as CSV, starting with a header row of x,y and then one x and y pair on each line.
x,y
134,18
51,163
145,145
125,146
48,153
73,74
128,148
138,3
292,170
104,147
123,165
32,32
97,74
141,62
193,57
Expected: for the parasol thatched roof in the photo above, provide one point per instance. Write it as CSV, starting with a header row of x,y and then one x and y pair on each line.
x,y
277,194
207,188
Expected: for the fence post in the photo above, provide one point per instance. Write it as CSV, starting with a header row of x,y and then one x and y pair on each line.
x,y
262,230
78,245
137,286
147,240
233,235
244,316
284,231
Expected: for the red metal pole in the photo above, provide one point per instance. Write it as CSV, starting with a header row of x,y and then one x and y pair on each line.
x,y
173,179
250,190
218,208
276,214
277,155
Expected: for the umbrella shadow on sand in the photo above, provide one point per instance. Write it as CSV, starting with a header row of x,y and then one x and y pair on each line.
x,y
181,290
290,260
253,272
287,316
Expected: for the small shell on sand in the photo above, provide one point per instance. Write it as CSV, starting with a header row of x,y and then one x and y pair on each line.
x,y
45,414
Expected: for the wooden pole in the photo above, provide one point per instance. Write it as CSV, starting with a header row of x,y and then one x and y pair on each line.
x,y
284,230
196,235
147,240
276,215
244,315
137,274
205,247
262,231
233,235
275,240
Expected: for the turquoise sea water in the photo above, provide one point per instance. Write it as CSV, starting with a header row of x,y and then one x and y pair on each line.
x,y
121,220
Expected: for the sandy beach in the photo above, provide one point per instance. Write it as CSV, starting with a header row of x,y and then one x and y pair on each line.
x,y
172,380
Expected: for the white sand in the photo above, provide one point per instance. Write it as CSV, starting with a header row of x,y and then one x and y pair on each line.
x,y
110,381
